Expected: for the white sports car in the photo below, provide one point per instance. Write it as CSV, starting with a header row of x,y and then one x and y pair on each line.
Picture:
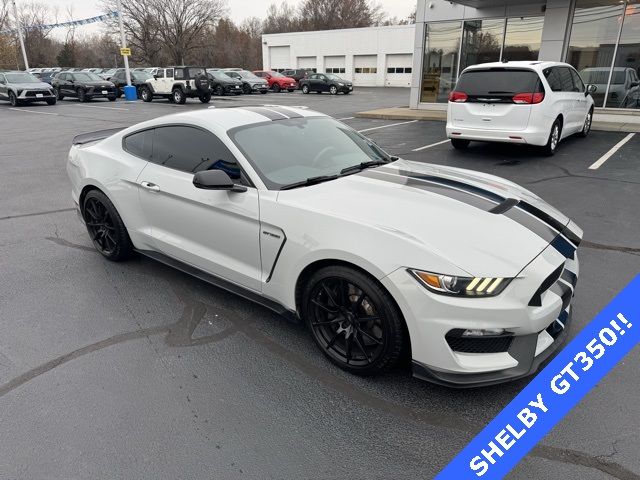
x,y
469,273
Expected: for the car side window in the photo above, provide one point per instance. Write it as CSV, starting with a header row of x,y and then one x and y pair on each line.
x,y
577,81
553,77
192,150
3,81
169,72
139,144
567,80
178,74
160,73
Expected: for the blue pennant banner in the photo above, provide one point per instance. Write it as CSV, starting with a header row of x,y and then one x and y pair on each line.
x,y
553,392
72,23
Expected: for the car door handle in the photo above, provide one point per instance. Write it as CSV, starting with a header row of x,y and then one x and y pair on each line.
x,y
150,186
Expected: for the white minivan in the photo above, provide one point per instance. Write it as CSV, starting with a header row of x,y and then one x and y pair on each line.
x,y
531,102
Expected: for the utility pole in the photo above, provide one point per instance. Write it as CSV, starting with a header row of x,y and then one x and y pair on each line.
x,y
19,28
123,43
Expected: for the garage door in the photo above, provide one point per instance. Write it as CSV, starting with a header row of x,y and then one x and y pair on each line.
x,y
334,64
399,70
307,62
365,70
279,58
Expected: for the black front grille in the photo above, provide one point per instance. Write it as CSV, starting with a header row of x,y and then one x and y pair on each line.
x,y
536,300
461,344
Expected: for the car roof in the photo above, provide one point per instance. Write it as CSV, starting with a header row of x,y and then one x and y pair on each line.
x,y
536,65
224,119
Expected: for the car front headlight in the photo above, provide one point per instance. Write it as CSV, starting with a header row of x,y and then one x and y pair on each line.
x,y
461,286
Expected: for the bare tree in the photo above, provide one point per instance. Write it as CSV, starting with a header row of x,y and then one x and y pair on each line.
x,y
38,44
335,14
281,19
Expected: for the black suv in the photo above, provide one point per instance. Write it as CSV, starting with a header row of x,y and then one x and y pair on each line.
x,y
325,82
222,84
297,73
83,85
138,80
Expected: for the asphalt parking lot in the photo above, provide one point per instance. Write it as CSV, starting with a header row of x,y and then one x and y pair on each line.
x,y
134,370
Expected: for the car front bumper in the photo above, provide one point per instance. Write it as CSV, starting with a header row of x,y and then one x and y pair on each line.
x,y
532,333
36,95
101,93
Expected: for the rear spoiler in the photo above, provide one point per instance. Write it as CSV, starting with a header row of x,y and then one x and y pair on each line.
x,y
95,136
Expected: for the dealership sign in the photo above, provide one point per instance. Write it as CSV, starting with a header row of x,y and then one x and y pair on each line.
x,y
553,392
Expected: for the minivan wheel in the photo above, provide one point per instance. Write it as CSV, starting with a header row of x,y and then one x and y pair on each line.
x,y
459,143
106,229
353,320
554,138
586,127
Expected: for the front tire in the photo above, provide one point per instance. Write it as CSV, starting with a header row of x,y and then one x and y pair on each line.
x,y
178,96
554,138
51,101
82,95
276,88
146,94
205,98
353,320
246,89
586,127
459,144
305,89
333,90
106,229
219,91
13,100
56,92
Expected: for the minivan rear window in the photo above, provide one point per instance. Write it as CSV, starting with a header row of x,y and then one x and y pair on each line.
x,y
498,82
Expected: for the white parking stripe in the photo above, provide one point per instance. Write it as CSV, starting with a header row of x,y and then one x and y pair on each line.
x,y
610,153
386,126
429,146
345,118
32,111
99,106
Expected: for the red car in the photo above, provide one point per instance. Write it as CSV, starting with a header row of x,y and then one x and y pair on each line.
x,y
277,81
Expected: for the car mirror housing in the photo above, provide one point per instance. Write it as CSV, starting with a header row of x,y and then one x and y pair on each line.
x,y
591,89
216,180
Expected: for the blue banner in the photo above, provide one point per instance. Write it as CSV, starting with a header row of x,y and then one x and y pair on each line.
x,y
71,23
553,392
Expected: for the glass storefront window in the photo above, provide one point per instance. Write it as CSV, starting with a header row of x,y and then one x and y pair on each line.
x,y
522,39
594,33
440,65
481,41
624,89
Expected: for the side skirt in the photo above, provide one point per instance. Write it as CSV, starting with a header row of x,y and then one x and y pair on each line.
x,y
224,284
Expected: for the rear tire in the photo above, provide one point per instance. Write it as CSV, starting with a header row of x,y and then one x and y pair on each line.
x,y
353,320
178,96
276,88
57,93
106,229
305,89
219,91
246,89
205,98
459,143
586,127
82,95
333,90
554,139
51,101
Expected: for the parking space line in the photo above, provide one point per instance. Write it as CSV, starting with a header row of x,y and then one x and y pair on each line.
x,y
32,111
345,118
386,126
429,146
598,163
98,106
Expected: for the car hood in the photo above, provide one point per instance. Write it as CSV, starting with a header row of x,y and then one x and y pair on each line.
x,y
103,84
32,85
443,210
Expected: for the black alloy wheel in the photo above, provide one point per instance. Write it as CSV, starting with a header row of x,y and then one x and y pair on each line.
x,y
205,97
276,88
219,91
82,95
353,320
105,227
246,89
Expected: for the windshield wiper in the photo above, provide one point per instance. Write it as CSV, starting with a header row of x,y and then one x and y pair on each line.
x,y
363,165
309,181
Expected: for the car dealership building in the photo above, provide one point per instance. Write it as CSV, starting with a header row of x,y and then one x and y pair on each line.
x,y
601,38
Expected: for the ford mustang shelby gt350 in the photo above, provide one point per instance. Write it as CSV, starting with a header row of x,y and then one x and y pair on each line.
x,y
469,273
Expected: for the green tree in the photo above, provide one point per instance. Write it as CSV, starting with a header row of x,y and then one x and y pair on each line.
x,y
67,56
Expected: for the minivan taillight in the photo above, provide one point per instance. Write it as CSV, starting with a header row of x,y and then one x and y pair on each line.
x,y
459,97
528,98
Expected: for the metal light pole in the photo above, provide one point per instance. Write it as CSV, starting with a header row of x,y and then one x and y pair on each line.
x,y
19,28
123,44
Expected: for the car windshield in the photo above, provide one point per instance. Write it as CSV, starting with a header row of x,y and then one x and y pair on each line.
x,y
331,76
21,78
601,77
220,75
87,77
247,74
141,76
286,152
276,74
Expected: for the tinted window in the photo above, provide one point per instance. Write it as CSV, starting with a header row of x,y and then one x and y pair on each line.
x,y
139,144
191,150
553,77
169,72
160,73
178,74
566,79
497,82
577,81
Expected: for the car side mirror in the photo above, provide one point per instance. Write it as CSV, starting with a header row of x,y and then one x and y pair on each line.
x,y
591,89
216,180
634,84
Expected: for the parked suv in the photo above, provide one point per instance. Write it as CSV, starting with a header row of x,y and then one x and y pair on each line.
x,y
138,80
23,87
250,82
623,89
222,84
326,82
277,81
177,84
298,73
537,103
83,85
